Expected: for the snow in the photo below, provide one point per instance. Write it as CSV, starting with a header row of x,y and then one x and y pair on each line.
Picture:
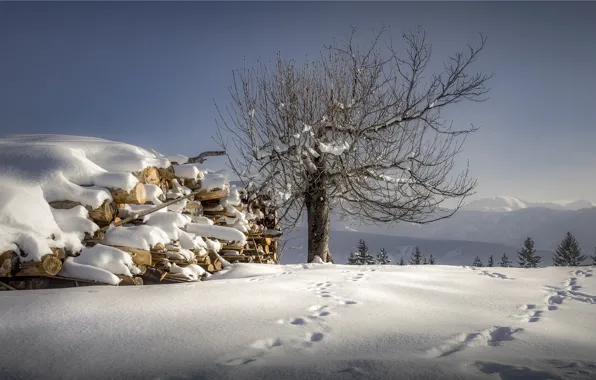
x,y
74,220
169,222
154,194
217,232
191,272
312,322
213,181
110,155
72,269
190,171
125,181
38,169
335,149
141,237
110,259
26,220
508,204
178,158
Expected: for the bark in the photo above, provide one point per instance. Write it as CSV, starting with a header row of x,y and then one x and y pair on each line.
x,y
317,209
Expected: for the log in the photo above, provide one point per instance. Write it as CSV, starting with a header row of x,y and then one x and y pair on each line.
x,y
208,267
217,265
151,210
6,286
139,256
8,263
233,258
102,216
216,194
167,173
159,247
136,196
149,176
219,213
153,276
125,280
49,265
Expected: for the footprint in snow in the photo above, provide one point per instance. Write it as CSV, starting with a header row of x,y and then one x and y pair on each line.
x,y
571,284
298,321
347,302
495,275
316,337
489,337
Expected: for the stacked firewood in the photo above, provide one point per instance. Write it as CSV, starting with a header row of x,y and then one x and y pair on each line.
x,y
262,226
174,190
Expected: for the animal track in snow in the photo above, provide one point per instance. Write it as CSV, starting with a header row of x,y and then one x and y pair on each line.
x,y
346,302
298,321
257,350
357,277
489,337
495,275
571,284
316,337
582,273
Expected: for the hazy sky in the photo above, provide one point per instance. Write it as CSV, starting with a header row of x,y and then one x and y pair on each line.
x,y
148,73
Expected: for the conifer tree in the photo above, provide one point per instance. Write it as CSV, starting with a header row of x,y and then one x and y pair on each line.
x,y
527,257
505,262
477,262
568,253
354,259
382,257
416,257
424,261
401,261
491,262
431,260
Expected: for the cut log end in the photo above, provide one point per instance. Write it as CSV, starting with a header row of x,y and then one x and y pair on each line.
x,y
137,196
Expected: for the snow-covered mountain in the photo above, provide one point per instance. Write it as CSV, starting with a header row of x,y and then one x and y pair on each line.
x,y
507,204
547,226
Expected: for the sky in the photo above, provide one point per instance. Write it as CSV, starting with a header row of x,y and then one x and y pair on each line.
x,y
149,74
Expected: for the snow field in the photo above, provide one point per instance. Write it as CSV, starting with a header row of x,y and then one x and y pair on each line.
x,y
255,321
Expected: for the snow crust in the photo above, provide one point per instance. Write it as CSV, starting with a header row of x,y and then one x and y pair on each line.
x,y
313,322
141,237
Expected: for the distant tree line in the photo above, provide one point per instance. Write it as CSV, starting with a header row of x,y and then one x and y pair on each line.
x,y
568,253
363,257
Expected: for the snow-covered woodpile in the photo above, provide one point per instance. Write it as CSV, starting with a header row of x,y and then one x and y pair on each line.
x,y
86,210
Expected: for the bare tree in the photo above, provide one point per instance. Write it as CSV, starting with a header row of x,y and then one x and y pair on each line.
x,y
357,131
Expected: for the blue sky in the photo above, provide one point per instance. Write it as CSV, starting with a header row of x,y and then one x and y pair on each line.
x,y
148,74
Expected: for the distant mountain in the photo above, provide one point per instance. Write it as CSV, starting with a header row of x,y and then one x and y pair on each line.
x,y
508,204
546,226
473,230
446,252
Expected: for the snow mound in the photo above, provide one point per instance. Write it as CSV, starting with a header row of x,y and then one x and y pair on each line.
x,y
38,169
110,259
141,237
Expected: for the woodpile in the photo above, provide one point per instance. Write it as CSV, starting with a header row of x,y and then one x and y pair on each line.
x,y
220,206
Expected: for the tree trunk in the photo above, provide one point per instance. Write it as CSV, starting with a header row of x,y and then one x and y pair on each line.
x,y
317,209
